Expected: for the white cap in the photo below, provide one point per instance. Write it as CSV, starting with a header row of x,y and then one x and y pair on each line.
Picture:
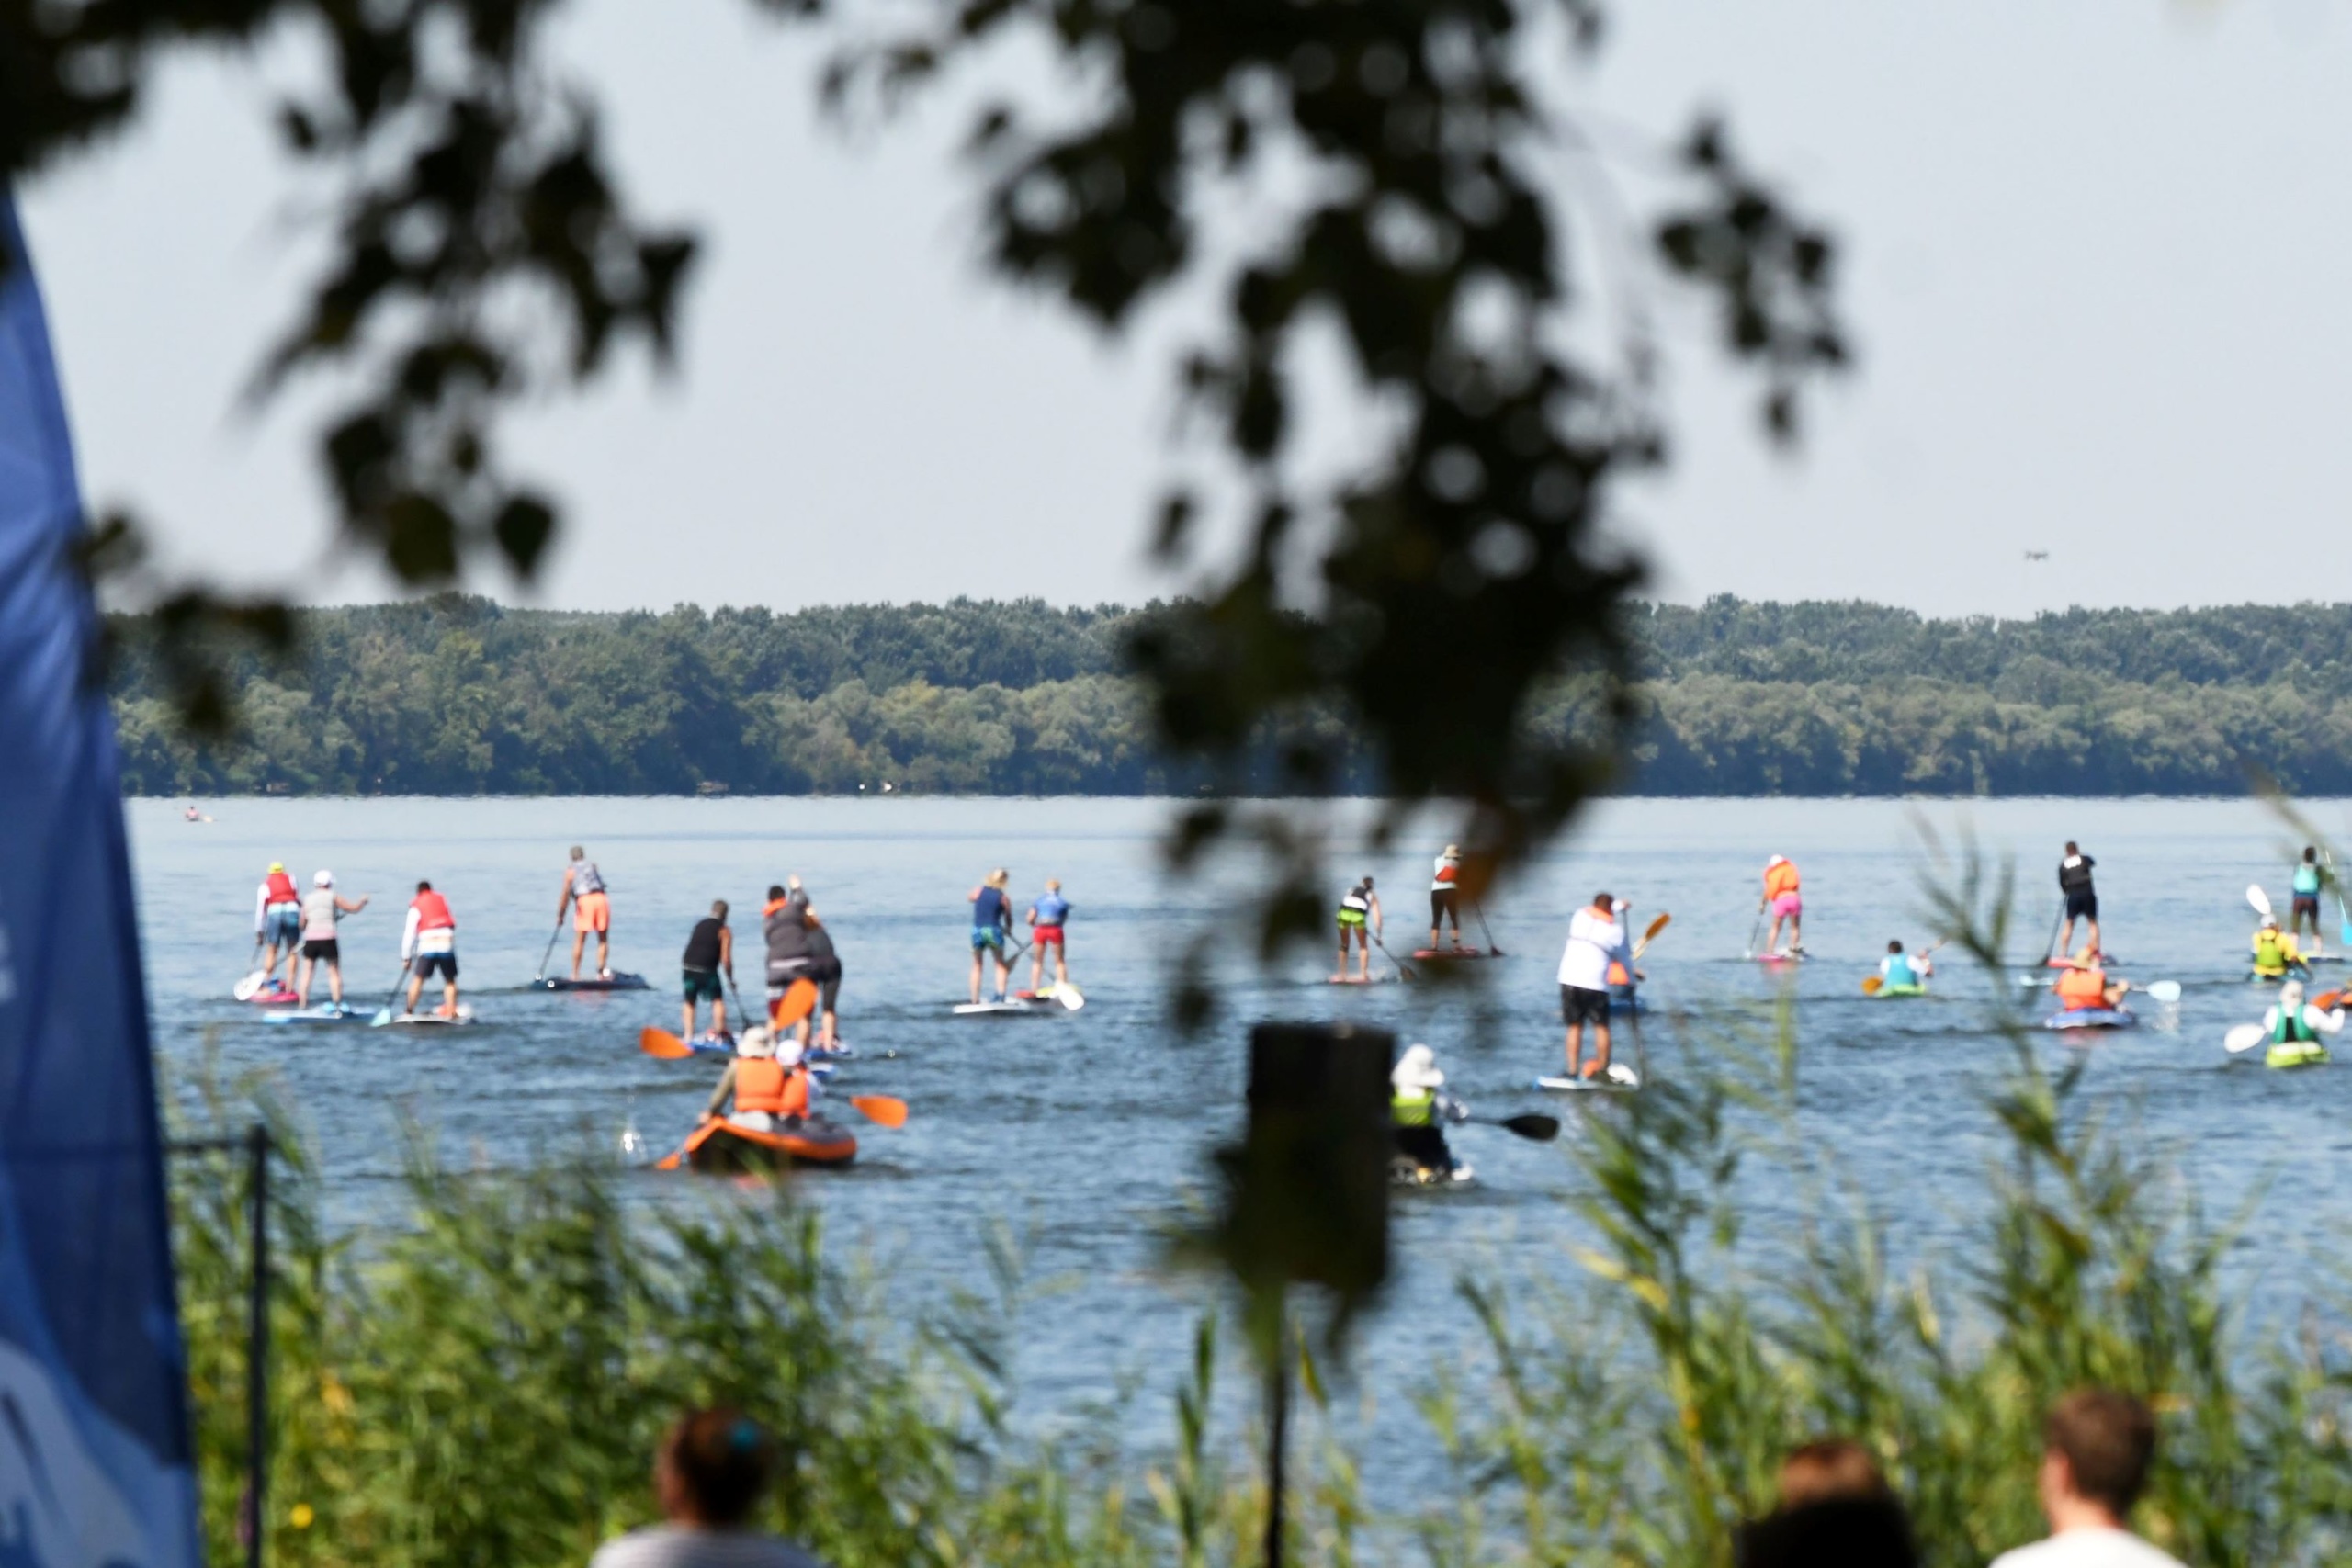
x,y
1416,1068
756,1042
1776,860
325,879
1618,906
789,1051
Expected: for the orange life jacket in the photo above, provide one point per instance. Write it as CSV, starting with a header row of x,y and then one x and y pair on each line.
x,y
281,889
1617,976
2081,988
762,1085
1781,878
433,913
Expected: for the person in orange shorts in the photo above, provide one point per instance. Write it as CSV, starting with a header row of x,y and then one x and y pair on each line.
x,y
591,911
2083,985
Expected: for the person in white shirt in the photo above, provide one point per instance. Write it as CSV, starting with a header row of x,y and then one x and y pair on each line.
x,y
712,1467
2096,1446
1595,938
1445,895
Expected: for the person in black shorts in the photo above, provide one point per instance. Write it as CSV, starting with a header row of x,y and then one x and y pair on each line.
x,y
2082,898
710,950
825,969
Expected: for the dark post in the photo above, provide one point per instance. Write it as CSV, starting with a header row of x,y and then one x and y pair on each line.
x,y
257,1353
1278,1431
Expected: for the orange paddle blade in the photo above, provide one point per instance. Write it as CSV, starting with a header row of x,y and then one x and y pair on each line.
x,y
662,1043
1872,985
1656,925
798,1000
881,1108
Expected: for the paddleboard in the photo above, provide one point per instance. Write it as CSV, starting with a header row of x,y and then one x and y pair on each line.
x,y
618,982
1448,954
326,1013
277,997
1782,957
1621,1079
464,1015
1015,1009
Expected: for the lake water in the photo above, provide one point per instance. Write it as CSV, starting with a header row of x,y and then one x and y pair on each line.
x,y
1082,1132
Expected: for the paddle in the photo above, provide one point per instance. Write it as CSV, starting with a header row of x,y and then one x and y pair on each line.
x,y
798,1000
1402,973
2259,899
1070,996
882,1110
1755,930
1873,984
1650,935
2244,1037
2345,931
244,989
384,1014
2050,941
2164,991
662,1043
553,937
1540,1129
1480,910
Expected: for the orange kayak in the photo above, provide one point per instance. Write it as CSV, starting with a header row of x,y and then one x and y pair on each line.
x,y
723,1147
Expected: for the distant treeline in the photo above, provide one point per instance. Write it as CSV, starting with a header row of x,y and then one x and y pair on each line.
x,y
457,695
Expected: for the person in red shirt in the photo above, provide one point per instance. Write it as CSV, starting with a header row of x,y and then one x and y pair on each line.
x,y
431,938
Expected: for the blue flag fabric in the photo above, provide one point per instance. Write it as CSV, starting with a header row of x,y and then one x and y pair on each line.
x,y
95,1466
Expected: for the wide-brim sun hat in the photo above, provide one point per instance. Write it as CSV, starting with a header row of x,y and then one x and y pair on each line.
x,y
1416,1068
757,1043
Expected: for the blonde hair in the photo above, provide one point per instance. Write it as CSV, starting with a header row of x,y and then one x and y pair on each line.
x,y
999,877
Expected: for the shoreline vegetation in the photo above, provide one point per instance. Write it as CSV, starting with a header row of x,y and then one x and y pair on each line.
x,y
458,695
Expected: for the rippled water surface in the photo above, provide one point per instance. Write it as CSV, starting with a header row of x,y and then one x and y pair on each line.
x,y
1079,1132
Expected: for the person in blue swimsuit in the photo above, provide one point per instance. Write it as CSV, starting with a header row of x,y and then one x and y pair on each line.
x,y
992,923
1047,917
2308,877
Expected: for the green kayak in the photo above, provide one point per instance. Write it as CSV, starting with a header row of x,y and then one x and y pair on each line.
x,y
2296,1053
1886,993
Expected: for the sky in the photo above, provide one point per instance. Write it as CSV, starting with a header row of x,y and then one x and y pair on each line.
x,y
2093,260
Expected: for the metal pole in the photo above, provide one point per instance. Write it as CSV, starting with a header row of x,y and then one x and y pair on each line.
x,y
257,1353
1278,1424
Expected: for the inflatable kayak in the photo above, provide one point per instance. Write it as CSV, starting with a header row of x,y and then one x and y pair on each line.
x,y
2091,1018
616,982
2298,1054
1404,1172
722,1146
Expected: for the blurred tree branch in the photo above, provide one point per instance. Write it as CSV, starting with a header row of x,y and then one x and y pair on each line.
x,y
1454,570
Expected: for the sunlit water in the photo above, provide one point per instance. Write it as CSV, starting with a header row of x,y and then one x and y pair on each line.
x,y
1081,1135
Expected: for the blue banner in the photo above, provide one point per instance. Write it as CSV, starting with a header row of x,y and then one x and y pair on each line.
x,y
94,1449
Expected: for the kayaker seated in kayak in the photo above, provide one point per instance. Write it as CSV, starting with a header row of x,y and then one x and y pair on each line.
x,y
2294,1027
2083,985
1904,971
770,1084
1418,1113
2275,951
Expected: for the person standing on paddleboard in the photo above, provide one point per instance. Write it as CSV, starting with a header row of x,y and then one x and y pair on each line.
x,y
1360,914
2308,879
430,937
1782,896
1595,942
591,911
323,908
991,927
784,921
277,921
1047,917
2082,898
825,969
1445,895
711,949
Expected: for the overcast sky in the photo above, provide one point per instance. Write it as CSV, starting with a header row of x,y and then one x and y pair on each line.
x,y
2095,262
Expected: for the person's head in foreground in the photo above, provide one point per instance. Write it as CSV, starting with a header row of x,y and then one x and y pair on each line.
x,y
1834,1509
711,1469
2097,1446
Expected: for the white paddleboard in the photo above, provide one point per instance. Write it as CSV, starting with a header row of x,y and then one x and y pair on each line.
x,y
1620,1078
1024,1009
464,1015
329,1014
